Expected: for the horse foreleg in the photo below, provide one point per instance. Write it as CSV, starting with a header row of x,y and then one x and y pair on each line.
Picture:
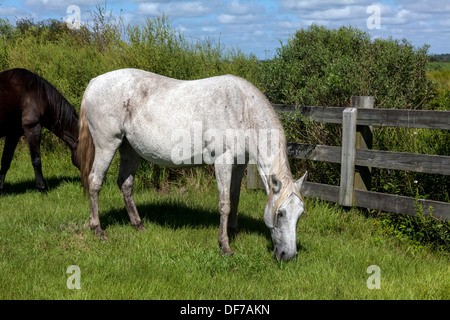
x,y
33,135
129,162
223,177
8,152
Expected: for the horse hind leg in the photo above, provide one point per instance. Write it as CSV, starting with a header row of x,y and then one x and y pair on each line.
x,y
33,135
103,157
8,152
129,162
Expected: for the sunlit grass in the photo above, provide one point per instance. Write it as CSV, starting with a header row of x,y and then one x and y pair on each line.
x,y
177,256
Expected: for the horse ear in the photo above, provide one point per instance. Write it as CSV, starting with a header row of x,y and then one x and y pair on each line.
x,y
276,184
300,181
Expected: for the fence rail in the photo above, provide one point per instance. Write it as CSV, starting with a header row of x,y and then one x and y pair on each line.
x,y
357,158
423,119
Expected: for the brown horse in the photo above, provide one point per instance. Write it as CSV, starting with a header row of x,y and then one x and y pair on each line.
x,y
29,103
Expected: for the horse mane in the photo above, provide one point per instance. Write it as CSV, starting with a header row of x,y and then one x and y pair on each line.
x,y
281,169
63,112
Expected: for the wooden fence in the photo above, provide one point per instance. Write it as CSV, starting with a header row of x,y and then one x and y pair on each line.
x,y
357,158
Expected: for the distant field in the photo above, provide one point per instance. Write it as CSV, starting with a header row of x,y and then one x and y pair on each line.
x,y
440,73
177,256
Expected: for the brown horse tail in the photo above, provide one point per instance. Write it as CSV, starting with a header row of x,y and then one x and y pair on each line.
x,y
86,148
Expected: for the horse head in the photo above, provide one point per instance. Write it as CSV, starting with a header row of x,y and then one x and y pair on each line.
x,y
283,209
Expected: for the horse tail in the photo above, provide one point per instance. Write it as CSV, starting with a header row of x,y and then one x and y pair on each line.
x,y
86,148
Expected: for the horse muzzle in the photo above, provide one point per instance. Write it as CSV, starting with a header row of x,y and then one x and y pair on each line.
x,y
284,255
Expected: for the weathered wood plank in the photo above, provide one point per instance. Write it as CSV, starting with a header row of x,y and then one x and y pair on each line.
x,y
426,119
349,117
319,114
314,152
404,161
320,191
364,140
379,201
401,204
373,158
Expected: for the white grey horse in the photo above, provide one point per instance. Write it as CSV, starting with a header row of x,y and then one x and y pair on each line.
x,y
225,121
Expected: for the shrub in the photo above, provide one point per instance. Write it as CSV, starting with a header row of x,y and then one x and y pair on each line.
x,y
325,67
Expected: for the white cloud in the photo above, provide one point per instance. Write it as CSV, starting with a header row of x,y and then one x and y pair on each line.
x,y
149,9
48,5
319,4
345,13
187,9
8,11
175,9
209,29
235,19
426,6
238,8
255,26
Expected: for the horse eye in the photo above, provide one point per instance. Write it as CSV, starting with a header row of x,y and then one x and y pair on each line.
x,y
280,214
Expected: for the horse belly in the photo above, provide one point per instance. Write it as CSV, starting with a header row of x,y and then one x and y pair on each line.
x,y
10,120
152,146
182,146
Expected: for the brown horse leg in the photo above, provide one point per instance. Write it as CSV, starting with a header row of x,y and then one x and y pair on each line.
x,y
8,152
33,135
236,180
129,162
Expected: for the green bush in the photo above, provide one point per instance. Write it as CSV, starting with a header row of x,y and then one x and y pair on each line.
x,y
320,66
317,66
325,67
69,59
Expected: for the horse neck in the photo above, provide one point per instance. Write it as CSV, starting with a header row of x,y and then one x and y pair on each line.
x,y
63,122
274,164
271,150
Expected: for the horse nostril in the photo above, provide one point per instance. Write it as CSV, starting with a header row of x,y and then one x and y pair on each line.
x,y
282,254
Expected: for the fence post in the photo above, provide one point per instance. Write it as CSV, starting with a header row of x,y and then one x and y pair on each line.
x,y
364,139
253,179
349,117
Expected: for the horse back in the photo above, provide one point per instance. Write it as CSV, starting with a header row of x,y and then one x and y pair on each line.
x,y
151,110
23,99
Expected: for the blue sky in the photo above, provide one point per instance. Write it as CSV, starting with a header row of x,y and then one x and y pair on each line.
x,y
259,26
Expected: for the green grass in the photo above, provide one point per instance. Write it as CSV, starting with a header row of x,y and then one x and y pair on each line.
x,y
177,256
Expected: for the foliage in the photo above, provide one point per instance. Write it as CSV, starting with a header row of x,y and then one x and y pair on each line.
x,y
320,66
177,256
325,67
317,66
69,59
418,231
443,57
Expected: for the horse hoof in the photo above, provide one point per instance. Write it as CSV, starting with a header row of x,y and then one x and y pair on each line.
x,y
139,227
43,190
101,234
226,252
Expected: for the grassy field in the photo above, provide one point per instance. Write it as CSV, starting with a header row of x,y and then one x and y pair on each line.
x,y
440,73
177,256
